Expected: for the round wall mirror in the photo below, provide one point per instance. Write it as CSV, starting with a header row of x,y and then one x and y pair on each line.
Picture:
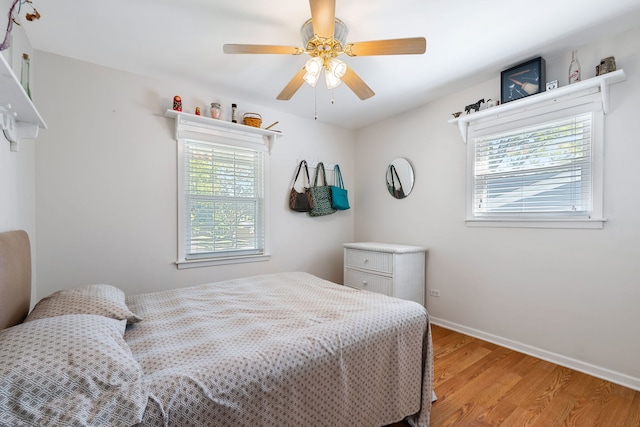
x,y
400,178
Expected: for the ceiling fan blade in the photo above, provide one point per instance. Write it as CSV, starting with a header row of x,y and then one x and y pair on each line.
x,y
292,87
261,48
323,16
357,85
409,46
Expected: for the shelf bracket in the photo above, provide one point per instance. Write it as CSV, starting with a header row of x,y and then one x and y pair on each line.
x,y
14,130
463,126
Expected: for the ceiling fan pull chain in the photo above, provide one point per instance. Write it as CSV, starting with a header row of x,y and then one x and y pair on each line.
x,y
332,100
315,103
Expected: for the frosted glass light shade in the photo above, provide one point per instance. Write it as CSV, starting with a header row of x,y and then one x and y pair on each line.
x,y
313,67
337,67
335,70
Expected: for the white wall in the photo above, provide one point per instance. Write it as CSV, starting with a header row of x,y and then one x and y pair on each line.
x,y
17,174
17,189
106,183
567,295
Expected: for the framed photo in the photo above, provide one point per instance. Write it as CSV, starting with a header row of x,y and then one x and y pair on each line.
x,y
522,80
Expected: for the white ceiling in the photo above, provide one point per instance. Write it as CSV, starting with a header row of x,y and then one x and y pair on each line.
x,y
468,41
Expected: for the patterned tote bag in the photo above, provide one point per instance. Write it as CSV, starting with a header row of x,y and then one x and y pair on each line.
x,y
321,194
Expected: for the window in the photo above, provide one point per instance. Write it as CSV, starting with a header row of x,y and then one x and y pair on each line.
x,y
540,168
221,201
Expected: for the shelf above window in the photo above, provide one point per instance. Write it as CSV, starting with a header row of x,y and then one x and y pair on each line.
x,y
19,118
599,83
186,122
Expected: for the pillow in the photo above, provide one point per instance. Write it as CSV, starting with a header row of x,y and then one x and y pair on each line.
x,y
103,300
69,370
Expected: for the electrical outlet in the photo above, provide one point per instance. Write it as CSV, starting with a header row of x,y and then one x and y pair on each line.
x,y
434,293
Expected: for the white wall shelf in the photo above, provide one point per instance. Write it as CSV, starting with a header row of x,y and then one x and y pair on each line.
x,y
221,127
19,118
600,83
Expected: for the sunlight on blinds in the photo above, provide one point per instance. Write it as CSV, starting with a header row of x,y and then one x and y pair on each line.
x,y
224,200
541,169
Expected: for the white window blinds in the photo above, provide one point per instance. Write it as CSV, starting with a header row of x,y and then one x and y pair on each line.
x,y
543,169
223,190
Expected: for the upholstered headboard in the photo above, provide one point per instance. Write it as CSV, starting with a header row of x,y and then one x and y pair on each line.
x,y
15,277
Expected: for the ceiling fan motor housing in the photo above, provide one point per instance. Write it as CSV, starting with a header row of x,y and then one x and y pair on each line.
x,y
325,48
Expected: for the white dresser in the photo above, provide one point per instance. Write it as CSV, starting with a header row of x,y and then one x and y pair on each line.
x,y
394,270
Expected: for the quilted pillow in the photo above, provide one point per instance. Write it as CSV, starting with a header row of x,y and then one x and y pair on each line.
x,y
102,300
69,370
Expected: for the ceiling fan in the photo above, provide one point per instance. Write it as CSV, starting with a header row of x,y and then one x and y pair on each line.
x,y
324,38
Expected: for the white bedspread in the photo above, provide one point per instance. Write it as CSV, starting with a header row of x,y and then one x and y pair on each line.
x,y
281,350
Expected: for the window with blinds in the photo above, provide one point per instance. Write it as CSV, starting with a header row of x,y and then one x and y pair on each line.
x,y
538,167
542,169
224,203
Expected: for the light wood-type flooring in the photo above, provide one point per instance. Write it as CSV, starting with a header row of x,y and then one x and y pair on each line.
x,y
480,384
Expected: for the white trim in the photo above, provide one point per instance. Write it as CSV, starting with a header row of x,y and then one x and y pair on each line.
x,y
205,130
213,130
585,101
600,82
179,194
590,223
209,262
568,362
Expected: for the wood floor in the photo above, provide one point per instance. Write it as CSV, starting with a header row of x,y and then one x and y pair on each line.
x,y
480,384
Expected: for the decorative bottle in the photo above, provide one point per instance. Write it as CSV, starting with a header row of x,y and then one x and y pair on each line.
x,y
25,73
574,68
233,113
215,110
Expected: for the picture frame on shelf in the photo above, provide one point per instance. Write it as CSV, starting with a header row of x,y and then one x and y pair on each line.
x,y
522,80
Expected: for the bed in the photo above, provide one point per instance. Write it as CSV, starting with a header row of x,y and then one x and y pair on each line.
x,y
283,349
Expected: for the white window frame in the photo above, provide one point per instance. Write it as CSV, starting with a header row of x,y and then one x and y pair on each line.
x,y
588,100
211,134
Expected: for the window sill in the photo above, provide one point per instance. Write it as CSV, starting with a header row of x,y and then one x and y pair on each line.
x,y
590,223
210,262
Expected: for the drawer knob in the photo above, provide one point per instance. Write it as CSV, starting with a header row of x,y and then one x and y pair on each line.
x,y
364,283
366,260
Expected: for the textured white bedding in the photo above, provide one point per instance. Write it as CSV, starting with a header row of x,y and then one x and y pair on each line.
x,y
286,349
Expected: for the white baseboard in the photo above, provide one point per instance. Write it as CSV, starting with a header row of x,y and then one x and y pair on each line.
x,y
558,359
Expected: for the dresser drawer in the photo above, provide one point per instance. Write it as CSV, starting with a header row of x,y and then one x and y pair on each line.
x,y
368,260
369,282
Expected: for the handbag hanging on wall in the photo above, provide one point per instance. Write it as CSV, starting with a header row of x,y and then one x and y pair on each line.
x,y
301,201
321,194
339,199
398,192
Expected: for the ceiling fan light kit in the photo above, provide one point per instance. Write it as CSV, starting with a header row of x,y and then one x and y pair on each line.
x,y
324,38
